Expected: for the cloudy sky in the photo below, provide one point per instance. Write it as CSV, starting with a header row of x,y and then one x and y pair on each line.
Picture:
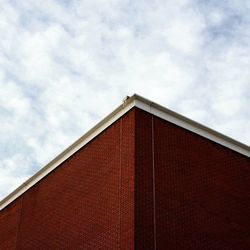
x,y
64,65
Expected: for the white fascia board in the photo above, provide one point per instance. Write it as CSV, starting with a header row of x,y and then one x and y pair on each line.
x,y
90,135
128,104
191,125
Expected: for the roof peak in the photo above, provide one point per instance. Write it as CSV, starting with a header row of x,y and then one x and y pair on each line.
x,y
202,130
128,103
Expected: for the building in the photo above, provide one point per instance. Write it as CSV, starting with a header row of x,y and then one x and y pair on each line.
x,y
143,178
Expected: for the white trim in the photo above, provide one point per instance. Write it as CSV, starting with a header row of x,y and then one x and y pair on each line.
x,y
191,125
120,111
129,103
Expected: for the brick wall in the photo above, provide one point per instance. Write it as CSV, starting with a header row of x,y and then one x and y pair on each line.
x,y
143,183
86,203
202,190
9,225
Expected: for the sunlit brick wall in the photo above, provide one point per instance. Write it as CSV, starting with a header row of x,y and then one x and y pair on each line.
x,y
86,203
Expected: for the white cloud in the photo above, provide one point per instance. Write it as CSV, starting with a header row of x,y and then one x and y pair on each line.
x,y
66,64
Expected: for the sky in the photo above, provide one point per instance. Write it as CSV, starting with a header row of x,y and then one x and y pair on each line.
x,y
65,65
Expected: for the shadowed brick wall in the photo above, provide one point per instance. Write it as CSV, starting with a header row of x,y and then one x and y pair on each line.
x,y
191,193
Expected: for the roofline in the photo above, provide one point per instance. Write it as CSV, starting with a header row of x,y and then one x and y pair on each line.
x,y
190,125
128,104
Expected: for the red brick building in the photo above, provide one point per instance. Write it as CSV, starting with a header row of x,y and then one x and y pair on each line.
x,y
143,178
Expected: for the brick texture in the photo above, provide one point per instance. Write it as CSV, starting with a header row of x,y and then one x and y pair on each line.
x,y
143,183
85,203
9,224
144,212
202,190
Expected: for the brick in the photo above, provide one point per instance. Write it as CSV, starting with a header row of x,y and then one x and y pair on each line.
x,y
143,183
